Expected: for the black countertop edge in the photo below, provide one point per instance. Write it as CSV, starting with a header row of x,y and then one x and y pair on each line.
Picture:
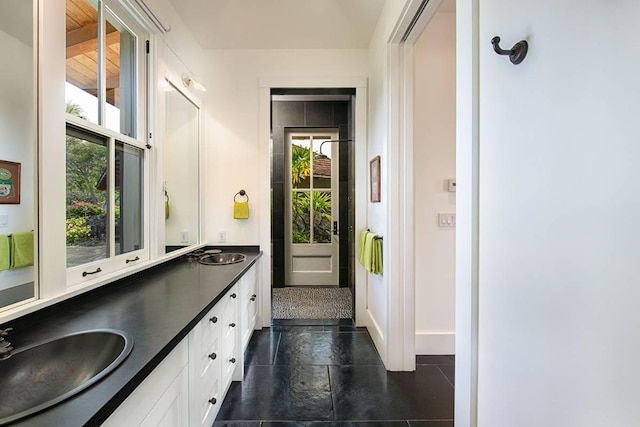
x,y
117,391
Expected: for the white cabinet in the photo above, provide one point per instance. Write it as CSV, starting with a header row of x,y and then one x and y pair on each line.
x,y
162,399
204,369
189,385
213,357
248,290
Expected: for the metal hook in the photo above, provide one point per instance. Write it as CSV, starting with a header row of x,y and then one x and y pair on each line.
x,y
517,53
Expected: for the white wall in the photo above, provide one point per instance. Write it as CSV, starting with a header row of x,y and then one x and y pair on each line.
x,y
17,141
559,235
434,163
232,159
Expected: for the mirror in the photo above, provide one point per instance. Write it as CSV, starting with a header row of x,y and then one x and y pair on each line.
x,y
181,170
18,155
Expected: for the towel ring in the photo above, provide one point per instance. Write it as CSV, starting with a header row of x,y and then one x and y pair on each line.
x,y
241,193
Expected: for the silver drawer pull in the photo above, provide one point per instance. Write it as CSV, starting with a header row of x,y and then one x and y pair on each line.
x,y
213,400
232,360
214,319
233,295
233,325
213,356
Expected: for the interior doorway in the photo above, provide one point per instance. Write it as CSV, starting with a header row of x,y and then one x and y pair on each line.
x,y
313,216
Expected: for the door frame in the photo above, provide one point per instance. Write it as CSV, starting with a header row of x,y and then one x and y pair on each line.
x,y
333,135
361,171
467,194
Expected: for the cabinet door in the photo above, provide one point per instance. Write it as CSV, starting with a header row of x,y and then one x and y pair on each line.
x,y
171,410
248,305
162,398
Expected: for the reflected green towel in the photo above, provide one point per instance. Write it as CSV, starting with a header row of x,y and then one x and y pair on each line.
x,y
166,209
4,252
21,249
241,210
363,237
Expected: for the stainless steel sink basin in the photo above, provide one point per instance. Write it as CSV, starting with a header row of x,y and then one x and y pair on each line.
x,y
38,376
221,259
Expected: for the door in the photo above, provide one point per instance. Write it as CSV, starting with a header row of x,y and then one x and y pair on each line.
x,y
311,249
559,209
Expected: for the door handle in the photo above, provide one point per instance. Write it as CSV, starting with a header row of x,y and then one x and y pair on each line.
x,y
335,228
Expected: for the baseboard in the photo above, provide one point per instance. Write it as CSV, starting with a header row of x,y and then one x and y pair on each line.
x,y
376,335
435,343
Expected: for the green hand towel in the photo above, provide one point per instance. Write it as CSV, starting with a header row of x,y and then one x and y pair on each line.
x,y
21,249
377,257
4,252
241,210
167,209
368,252
363,237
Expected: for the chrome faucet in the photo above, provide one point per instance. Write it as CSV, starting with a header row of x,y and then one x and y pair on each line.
x,y
5,346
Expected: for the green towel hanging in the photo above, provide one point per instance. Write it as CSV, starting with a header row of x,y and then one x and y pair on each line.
x,y
167,210
21,247
4,253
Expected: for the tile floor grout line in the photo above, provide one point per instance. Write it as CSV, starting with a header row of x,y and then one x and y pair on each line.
x,y
275,353
446,377
333,401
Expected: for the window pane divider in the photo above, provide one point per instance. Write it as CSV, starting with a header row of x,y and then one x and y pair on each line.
x,y
103,131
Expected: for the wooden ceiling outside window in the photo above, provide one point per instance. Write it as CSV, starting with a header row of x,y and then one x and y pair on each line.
x,y
82,50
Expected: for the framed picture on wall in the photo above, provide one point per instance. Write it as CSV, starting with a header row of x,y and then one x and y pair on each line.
x,y
9,183
374,179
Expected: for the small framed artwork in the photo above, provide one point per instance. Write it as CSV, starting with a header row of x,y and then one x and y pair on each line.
x,y
9,183
374,179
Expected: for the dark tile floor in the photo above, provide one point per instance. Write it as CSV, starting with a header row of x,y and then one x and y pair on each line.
x,y
327,373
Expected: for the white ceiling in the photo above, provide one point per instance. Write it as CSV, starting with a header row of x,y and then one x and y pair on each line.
x,y
280,24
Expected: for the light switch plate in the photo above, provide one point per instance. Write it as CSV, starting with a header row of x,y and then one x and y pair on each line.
x,y
452,185
446,220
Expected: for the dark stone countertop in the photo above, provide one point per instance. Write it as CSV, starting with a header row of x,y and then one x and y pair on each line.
x,y
157,307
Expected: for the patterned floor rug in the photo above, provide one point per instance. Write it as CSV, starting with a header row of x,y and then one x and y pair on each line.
x,y
311,303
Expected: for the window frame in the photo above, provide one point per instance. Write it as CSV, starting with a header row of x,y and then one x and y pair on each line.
x,y
84,273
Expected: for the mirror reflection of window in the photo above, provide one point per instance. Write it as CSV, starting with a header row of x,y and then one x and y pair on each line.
x,y
18,141
181,170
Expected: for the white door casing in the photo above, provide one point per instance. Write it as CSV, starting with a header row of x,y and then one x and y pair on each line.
x,y
311,256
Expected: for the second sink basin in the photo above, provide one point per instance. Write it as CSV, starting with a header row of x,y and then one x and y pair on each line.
x,y
40,375
221,259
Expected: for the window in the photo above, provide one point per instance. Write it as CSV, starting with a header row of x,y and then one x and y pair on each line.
x,y
105,155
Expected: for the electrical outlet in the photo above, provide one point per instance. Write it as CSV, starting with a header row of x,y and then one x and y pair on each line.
x,y
222,236
184,236
4,221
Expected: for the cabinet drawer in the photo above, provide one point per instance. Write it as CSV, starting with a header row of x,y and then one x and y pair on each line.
x,y
209,401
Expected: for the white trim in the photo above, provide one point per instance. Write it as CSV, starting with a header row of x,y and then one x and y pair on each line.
x,y
361,199
375,331
467,202
435,343
264,150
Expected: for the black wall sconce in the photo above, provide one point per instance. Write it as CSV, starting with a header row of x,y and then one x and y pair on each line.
x,y
516,54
